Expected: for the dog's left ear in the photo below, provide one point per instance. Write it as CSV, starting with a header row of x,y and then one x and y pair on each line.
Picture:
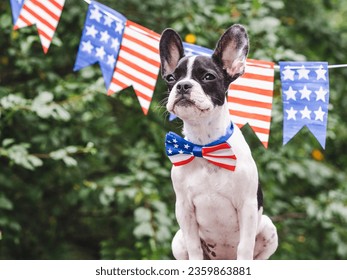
x,y
171,51
231,51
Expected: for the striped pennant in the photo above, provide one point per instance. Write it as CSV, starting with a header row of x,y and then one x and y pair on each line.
x,y
138,63
250,98
45,14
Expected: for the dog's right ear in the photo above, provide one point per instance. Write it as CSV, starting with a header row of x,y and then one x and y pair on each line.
x,y
171,51
231,51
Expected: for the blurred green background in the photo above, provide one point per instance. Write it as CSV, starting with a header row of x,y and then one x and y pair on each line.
x,y
84,175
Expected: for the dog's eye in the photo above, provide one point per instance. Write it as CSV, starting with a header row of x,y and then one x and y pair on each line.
x,y
208,77
170,78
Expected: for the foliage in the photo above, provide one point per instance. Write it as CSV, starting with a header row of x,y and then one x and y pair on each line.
x,y
84,175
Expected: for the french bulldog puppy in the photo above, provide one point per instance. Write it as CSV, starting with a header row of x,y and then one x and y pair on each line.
x,y
219,204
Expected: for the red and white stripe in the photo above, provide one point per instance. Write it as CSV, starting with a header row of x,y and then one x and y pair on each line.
x,y
45,14
250,98
138,63
181,159
221,155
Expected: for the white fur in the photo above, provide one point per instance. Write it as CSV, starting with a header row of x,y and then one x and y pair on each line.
x,y
190,67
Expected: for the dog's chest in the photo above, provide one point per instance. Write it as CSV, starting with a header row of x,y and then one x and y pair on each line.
x,y
210,190
200,178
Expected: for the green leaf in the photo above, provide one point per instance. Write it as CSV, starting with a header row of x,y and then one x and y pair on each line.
x,y
143,230
7,142
142,215
5,203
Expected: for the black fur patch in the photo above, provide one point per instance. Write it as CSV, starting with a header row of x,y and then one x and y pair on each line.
x,y
260,197
214,88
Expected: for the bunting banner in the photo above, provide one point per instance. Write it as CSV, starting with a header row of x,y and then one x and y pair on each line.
x,y
101,39
250,98
128,55
305,88
45,14
138,63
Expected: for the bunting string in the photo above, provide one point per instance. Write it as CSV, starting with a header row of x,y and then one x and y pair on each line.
x,y
128,55
332,66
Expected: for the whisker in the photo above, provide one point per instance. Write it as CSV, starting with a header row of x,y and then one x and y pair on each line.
x,y
219,100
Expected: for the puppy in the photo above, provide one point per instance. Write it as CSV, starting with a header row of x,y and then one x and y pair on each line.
x,y
218,200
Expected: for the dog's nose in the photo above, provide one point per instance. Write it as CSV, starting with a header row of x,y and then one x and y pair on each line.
x,y
184,87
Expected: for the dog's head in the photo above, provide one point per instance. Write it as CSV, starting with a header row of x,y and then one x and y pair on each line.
x,y
198,84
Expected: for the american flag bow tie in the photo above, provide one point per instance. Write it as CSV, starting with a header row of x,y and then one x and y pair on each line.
x,y
219,152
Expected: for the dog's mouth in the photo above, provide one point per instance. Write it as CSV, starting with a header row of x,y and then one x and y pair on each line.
x,y
185,102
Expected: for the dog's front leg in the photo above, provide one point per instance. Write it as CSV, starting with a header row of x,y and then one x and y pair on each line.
x,y
248,222
185,213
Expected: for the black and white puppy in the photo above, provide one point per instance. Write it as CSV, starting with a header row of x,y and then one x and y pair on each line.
x,y
219,211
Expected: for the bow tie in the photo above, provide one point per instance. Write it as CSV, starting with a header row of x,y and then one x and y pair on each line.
x,y
180,151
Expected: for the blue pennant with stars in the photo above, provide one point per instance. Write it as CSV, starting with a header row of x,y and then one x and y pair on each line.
x,y
305,95
16,6
101,39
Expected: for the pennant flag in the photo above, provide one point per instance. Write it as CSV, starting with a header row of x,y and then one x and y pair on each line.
x,y
138,63
250,98
101,40
305,95
16,6
45,14
191,49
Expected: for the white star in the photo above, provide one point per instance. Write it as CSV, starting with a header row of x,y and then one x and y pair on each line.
x,y
321,73
186,146
95,14
100,52
291,114
303,73
305,93
115,44
108,21
176,146
104,36
306,113
169,151
91,31
290,93
288,74
180,151
119,27
321,94
319,114
87,47
174,140
111,60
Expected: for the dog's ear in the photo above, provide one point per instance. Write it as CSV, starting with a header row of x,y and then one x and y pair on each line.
x,y
231,51
171,51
